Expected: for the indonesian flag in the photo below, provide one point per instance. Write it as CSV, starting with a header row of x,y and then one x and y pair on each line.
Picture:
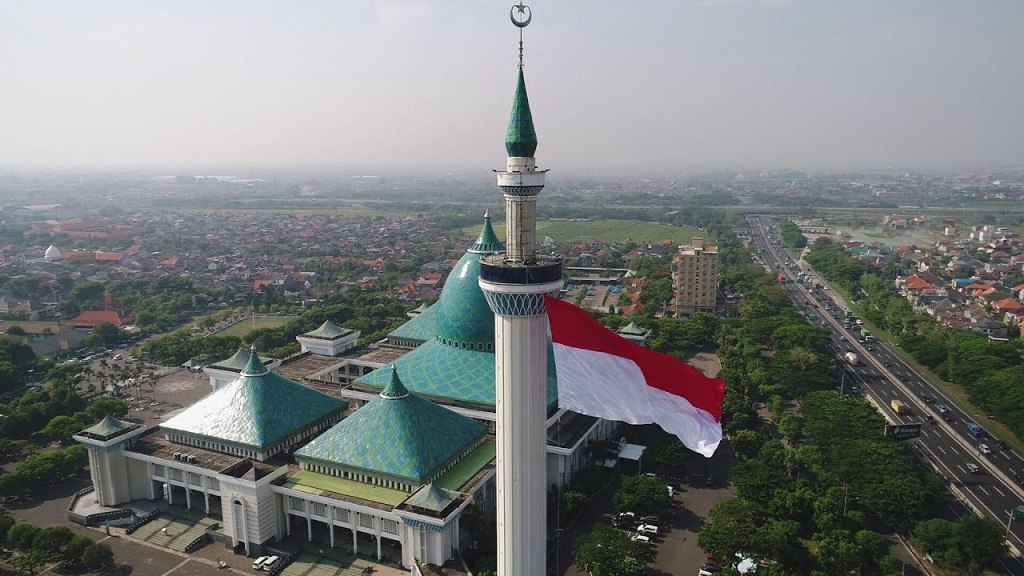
x,y
602,374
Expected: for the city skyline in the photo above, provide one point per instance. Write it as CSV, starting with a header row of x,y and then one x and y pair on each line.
x,y
660,87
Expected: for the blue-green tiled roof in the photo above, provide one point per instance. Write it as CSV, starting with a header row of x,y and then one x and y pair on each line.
x,y
487,242
328,331
463,316
432,497
421,327
258,409
236,362
441,371
108,428
521,138
398,434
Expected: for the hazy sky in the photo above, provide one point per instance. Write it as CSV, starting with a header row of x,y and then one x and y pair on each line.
x,y
646,84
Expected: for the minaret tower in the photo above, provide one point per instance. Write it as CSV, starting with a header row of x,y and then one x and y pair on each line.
x,y
514,284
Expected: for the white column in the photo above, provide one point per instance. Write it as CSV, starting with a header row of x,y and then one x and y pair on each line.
x,y
521,379
332,529
355,532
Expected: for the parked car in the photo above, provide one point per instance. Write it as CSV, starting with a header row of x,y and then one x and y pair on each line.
x,y
270,562
258,563
641,538
650,519
649,529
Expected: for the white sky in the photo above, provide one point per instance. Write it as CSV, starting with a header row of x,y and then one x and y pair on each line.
x,y
652,84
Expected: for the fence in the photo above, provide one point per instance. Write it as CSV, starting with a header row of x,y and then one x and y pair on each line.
x,y
145,520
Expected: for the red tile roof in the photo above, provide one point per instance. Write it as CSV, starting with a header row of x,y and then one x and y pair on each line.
x,y
91,318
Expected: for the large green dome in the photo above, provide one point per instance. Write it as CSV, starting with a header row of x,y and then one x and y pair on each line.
x,y
464,320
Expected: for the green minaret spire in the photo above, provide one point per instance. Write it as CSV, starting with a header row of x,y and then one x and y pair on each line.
x,y
521,139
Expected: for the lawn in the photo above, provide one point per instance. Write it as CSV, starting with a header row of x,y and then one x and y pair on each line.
x,y
313,483
242,328
605,231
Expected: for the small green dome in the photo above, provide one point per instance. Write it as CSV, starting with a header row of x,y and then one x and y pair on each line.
x,y
487,242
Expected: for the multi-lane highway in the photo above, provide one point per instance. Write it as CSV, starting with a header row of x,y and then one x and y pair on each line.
x,y
982,472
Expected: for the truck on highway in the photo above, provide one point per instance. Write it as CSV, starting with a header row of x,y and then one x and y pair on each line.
x,y
851,359
898,406
866,335
975,430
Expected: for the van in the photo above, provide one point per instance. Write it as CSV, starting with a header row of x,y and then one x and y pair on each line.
x,y
270,562
898,406
258,563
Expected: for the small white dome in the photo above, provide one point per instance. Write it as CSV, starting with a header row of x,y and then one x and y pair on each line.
x,y
52,253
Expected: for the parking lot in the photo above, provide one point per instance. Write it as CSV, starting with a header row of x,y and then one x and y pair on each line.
x,y
676,549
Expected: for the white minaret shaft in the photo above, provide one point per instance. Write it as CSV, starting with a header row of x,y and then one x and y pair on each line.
x,y
521,365
514,284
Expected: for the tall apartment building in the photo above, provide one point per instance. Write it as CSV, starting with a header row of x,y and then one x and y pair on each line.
x,y
695,278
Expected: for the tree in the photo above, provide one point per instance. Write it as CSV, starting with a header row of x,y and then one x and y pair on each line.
x,y
104,333
63,427
641,494
97,556
872,548
30,561
574,502
21,534
837,552
53,540
609,552
673,454
980,540
746,443
731,527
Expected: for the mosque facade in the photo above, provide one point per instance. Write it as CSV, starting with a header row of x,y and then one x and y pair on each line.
x,y
387,467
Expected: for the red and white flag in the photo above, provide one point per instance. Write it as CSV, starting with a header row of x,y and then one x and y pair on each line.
x,y
602,374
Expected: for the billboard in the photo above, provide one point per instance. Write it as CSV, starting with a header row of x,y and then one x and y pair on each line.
x,y
902,431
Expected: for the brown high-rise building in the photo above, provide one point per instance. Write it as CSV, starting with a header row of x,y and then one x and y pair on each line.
x,y
695,278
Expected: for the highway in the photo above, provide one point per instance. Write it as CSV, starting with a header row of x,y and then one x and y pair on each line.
x,y
882,376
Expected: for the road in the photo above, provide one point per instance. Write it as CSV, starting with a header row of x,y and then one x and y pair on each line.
x,y
882,375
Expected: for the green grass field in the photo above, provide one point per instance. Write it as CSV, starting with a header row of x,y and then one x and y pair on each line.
x,y
605,231
245,326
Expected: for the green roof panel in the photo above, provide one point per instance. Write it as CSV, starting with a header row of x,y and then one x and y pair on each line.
x,y
421,327
398,434
257,409
436,370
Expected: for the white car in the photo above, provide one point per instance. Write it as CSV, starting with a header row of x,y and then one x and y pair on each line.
x,y
647,529
641,538
270,562
972,468
984,449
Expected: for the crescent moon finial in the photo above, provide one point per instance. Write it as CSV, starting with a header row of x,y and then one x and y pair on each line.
x,y
521,11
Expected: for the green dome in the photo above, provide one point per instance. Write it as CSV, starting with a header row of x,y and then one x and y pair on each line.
x,y
463,319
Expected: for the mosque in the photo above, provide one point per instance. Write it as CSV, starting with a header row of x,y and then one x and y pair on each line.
x,y
387,469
